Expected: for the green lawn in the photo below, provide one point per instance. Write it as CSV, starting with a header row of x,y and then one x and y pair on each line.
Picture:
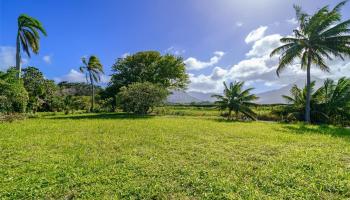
x,y
106,156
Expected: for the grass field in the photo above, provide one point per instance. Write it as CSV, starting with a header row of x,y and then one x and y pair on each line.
x,y
106,156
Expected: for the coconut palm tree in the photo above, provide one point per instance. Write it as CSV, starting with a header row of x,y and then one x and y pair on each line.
x,y
27,37
319,37
334,100
329,104
237,100
93,70
297,101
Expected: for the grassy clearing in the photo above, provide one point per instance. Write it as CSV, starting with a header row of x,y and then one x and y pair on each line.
x,y
264,113
96,156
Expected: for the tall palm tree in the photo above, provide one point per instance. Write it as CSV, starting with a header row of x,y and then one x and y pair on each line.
x,y
319,37
237,100
27,37
92,69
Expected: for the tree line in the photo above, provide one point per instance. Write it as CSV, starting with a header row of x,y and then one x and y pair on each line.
x,y
143,80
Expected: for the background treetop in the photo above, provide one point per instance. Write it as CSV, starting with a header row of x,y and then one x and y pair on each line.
x,y
150,66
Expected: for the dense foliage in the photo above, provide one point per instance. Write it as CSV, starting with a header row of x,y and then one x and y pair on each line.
x,y
140,98
330,103
167,71
13,95
150,66
41,91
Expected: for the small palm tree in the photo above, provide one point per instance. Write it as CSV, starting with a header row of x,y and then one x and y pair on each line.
x,y
334,100
237,100
329,104
297,101
27,37
93,69
318,37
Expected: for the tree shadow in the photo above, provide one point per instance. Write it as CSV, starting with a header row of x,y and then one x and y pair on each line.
x,y
103,116
318,129
225,120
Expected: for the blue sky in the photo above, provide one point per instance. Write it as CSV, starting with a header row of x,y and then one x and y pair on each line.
x,y
210,35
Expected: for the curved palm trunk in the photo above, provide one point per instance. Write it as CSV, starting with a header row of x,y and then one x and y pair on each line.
x,y
92,93
18,57
308,91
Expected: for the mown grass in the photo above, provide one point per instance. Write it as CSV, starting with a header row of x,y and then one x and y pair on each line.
x,y
106,156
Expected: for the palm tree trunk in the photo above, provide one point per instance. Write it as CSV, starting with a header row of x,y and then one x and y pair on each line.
x,y
308,91
92,93
18,57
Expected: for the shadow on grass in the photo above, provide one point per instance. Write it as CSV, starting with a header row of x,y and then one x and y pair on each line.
x,y
320,129
103,116
225,120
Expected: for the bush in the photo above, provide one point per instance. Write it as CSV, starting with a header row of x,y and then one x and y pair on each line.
x,y
140,98
14,97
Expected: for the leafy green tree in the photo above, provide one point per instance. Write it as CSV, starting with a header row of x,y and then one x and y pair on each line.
x,y
14,97
43,93
319,37
52,99
140,98
93,69
34,82
237,99
27,37
167,71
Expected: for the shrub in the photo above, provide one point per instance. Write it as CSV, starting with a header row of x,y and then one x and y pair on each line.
x,y
140,98
14,95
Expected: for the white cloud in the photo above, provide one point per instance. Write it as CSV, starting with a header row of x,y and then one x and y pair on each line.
x,y
72,76
256,34
125,55
218,73
8,57
195,64
265,45
258,69
239,24
292,21
203,83
47,59
76,76
175,51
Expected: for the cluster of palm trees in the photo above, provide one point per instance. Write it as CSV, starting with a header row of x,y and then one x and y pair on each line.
x,y
319,37
329,104
28,38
